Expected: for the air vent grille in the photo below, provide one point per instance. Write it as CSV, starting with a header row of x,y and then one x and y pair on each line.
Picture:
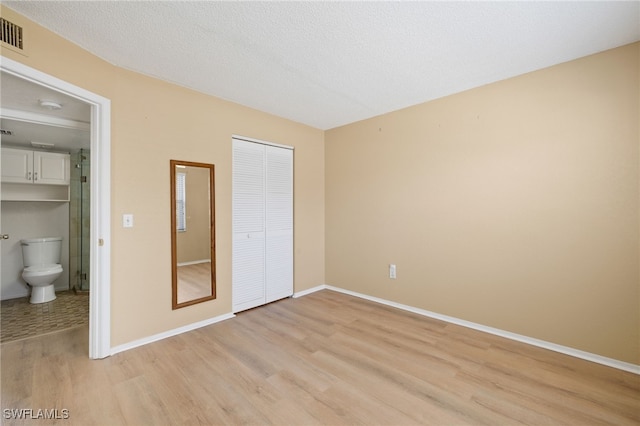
x,y
11,33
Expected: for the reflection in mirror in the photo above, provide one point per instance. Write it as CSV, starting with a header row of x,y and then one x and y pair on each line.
x,y
193,254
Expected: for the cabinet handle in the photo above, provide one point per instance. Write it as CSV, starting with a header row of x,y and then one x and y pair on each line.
x,y
28,175
35,176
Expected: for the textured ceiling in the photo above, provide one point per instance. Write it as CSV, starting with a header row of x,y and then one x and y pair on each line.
x,y
327,64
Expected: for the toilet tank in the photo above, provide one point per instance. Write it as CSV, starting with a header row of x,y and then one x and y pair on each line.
x,y
41,251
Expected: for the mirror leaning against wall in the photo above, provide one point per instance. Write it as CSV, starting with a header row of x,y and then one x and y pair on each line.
x,y
193,254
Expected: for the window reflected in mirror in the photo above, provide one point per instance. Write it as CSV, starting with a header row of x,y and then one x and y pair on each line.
x,y
192,233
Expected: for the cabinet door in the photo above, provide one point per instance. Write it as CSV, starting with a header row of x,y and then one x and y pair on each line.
x,y
17,165
51,168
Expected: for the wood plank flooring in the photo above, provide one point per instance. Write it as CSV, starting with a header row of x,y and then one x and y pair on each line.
x,y
326,358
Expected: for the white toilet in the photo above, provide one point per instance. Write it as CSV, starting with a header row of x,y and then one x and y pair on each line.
x,y
41,258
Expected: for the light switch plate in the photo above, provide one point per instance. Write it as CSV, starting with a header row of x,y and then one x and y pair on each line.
x,y
127,220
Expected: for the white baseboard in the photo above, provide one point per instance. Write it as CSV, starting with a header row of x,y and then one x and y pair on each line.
x,y
309,291
610,362
15,295
170,333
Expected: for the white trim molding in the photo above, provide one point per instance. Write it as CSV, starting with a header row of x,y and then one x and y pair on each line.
x,y
309,291
170,333
47,120
261,142
588,356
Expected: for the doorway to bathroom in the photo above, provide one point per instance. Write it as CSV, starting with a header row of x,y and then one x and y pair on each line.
x,y
97,244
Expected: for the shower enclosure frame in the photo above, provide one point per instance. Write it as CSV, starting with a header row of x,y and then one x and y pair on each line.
x,y
80,219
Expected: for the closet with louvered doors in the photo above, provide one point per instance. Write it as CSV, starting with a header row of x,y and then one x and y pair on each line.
x,y
262,264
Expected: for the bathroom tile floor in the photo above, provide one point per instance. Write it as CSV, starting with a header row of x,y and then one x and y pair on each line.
x,y
20,319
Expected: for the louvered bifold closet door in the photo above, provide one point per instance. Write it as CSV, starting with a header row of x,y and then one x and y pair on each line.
x,y
279,223
248,269
262,224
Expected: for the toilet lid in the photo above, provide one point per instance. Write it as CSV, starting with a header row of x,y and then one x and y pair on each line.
x,y
55,267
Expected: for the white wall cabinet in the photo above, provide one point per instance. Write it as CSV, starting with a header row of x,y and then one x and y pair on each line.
x,y
51,168
23,166
17,165
34,175
262,269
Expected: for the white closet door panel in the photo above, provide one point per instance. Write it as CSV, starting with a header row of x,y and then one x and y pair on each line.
x,y
248,213
248,187
279,182
279,265
279,213
279,170
248,271
248,184
279,223
262,224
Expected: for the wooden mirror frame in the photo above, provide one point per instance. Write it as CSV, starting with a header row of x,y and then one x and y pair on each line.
x,y
174,243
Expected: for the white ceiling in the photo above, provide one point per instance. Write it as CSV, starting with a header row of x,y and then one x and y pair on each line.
x,y
20,112
327,64
23,95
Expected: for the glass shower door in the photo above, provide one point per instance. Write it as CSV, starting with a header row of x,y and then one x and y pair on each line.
x,y
80,220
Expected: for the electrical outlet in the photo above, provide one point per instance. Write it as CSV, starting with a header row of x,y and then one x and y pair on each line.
x,y
392,271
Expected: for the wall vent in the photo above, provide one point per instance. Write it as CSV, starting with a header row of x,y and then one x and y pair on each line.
x,y
11,34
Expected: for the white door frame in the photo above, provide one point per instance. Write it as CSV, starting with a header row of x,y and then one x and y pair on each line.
x,y
100,227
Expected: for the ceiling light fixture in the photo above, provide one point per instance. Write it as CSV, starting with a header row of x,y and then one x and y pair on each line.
x,y
50,105
43,145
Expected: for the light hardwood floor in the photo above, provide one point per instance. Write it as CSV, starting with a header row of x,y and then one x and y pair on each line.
x,y
326,358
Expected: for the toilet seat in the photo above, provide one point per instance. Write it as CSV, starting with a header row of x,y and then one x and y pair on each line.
x,y
40,270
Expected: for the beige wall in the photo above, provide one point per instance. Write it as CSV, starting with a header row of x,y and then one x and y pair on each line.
x,y
153,122
513,205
